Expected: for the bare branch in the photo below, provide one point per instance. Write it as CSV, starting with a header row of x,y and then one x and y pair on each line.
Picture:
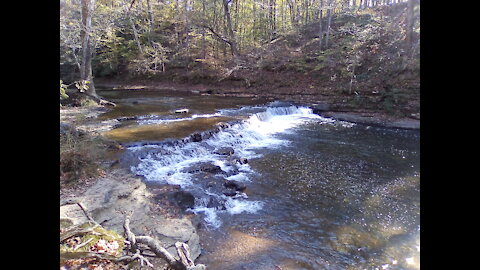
x,y
73,201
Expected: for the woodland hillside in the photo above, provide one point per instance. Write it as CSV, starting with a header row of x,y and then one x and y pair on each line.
x,y
357,54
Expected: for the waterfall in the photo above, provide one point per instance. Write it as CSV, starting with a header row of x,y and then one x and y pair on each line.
x,y
169,162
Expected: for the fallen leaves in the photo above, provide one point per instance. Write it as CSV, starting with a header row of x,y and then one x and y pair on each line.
x,y
103,246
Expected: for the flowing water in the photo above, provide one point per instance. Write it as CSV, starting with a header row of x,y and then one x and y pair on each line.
x,y
321,194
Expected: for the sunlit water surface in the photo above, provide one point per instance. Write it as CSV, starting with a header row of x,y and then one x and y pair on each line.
x,y
321,194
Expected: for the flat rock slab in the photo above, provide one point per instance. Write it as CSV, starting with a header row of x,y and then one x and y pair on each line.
x,y
374,119
110,198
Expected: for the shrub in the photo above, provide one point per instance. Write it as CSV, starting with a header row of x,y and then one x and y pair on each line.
x,y
78,156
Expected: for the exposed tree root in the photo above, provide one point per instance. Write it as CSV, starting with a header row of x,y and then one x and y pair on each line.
x,y
100,101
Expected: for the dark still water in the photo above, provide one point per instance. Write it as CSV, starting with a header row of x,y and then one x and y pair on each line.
x,y
321,194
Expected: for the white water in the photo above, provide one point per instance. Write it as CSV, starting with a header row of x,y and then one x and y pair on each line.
x,y
151,120
257,131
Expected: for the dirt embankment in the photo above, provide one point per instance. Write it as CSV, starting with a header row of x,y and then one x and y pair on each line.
x,y
326,103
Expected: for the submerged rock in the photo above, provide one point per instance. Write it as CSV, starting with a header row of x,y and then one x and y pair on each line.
x,y
203,167
223,125
196,137
184,199
210,168
181,111
216,203
127,118
230,193
238,186
242,161
224,151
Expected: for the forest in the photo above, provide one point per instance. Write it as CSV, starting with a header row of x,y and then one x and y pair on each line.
x,y
364,52
239,134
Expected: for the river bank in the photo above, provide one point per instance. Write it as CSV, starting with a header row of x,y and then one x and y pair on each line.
x,y
108,188
115,192
330,104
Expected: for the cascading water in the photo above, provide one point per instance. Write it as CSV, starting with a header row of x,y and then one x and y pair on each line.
x,y
320,194
168,163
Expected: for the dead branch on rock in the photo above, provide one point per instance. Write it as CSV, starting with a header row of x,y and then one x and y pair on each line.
x,y
73,201
185,262
184,254
99,100
103,256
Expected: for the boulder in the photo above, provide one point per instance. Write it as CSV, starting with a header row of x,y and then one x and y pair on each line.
x,y
115,194
224,151
232,184
320,107
242,161
216,203
184,199
230,193
196,137
210,168
223,125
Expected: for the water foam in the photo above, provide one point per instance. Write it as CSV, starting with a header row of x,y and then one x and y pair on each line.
x,y
257,131
154,120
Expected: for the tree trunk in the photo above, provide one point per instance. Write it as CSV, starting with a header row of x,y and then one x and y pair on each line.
x,y
329,21
86,64
410,23
187,27
134,29
204,54
320,37
233,42
150,19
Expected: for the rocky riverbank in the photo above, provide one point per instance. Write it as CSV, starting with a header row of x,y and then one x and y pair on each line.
x,y
116,193
331,105
110,198
158,211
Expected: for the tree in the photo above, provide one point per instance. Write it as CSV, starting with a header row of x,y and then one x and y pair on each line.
x,y
232,41
410,23
320,24
85,34
329,21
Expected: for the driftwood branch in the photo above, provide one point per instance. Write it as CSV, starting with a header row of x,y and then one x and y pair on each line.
x,y
99,100
105,256
184,263
184,254
85,212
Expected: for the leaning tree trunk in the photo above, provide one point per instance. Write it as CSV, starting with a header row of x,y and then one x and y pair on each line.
x,y
232,43
86,64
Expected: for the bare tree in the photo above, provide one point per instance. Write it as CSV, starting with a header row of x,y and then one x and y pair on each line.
x,y
410,23
232,41
320,24
85,34
329,21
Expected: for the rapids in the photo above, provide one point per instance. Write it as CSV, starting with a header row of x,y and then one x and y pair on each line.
x,y
320,193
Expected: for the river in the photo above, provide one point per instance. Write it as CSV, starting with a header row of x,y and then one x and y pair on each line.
x,y
320,193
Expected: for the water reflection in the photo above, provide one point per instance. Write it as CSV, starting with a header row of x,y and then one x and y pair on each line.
x,y
337,196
